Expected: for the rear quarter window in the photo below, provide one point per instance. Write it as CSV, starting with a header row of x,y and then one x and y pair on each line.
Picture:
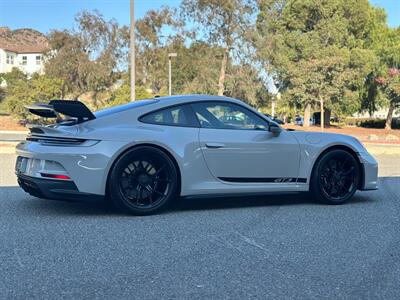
x,y
181,115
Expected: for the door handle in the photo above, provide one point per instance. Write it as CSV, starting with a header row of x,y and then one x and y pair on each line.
x,y
214,145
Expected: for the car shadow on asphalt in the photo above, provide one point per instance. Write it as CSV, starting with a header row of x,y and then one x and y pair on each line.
x,y
26,204
271,200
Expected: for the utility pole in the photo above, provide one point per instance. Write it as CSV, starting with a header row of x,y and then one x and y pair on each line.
x,y
132,46
170,55
273,108
273,103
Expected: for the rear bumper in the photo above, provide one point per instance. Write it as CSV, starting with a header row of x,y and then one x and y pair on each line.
x,y
87,167
54,189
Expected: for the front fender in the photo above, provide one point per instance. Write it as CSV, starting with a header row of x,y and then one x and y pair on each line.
x,y
312,145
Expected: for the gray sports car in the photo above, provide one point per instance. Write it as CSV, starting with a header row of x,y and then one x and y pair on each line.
x,y
144,154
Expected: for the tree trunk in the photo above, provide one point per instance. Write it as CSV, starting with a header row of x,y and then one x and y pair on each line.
x,y
221,81
63,91
307,113
322,113
388,124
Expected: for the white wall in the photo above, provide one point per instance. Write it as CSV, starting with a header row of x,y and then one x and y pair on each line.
x,y
381,113
2,61
7,67
30,67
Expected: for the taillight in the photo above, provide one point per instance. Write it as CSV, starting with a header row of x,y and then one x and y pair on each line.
x,y
56,176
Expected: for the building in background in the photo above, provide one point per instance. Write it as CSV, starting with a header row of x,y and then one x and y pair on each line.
x,y
23,49
380,113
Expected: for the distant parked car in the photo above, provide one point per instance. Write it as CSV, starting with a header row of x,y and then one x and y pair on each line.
x,y
300,121
232,120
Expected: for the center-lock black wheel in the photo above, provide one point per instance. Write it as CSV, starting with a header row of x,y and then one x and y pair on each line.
x,y
143,181
335,177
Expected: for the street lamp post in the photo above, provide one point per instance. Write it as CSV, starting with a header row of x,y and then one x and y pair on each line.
x,y
132,46
170,55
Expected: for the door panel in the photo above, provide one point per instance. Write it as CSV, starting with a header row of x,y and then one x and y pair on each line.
x,y
250,155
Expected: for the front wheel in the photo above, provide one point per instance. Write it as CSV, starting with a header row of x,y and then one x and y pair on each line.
x,y
143,181
335,177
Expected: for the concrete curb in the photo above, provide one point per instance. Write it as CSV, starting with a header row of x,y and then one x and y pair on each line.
x,y
14,131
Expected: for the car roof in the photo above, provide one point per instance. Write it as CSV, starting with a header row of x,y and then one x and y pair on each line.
x,y
165,101
193,97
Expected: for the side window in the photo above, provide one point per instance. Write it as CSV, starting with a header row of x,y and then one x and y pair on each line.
x,y
176,116
227,116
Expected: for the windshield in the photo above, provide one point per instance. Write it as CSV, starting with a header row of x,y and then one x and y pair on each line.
x,y
115,109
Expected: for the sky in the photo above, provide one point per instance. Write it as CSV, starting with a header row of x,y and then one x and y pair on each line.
x,y
44,15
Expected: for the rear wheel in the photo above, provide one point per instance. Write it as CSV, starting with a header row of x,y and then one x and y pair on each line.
x,y
143,181
335,177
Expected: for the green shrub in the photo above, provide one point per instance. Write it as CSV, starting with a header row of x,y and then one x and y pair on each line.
x,y
123,94
37,89
379,123
371,122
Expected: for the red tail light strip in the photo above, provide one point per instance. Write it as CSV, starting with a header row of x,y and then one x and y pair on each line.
x,y
56,176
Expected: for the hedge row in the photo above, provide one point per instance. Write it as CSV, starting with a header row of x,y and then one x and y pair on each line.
x,y
372,123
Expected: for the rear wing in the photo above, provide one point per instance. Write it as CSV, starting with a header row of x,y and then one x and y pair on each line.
x,y
71,108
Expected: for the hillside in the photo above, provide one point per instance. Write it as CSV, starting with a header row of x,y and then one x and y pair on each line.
x,y
23,40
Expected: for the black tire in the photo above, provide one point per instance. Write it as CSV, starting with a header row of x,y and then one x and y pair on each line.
x,y
143,181
335,177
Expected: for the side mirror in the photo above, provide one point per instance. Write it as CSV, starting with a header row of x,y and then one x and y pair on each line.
x,y
274,128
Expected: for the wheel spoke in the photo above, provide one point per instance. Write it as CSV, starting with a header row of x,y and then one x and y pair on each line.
x,y
159,193
160,170
138,193
348,171
148,168
150,191
141,165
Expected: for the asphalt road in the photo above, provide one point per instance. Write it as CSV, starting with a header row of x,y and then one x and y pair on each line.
x,y
263,247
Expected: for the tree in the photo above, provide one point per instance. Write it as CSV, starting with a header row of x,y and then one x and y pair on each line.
x,y
224,24
389,52
41,88
197,69
9,79
152,52
197,72
122,94
244,82
86,59
312,50
390,84
12,77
